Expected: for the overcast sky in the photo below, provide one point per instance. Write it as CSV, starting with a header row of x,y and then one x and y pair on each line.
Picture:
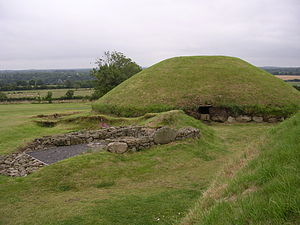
x,y
73,33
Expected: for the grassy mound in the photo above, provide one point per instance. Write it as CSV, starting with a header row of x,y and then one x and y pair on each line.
x,y
187,82
267,191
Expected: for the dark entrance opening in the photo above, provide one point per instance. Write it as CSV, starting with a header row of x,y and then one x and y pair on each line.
x,y
204,109
204,112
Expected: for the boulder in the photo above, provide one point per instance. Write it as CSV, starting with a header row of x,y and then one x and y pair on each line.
x,y
243,118
272,120
231,119
117,147
258,119
218,114
204,117
164,135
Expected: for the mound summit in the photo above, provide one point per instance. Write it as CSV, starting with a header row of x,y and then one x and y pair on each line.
x,y
191,81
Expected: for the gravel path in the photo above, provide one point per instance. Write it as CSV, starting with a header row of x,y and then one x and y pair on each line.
x,y
52,155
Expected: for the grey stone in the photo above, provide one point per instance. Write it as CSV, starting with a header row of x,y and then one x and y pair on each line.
x,y
272,120
231,119
164,135
258,119
218,114
243,118
117,147
187,132
204,117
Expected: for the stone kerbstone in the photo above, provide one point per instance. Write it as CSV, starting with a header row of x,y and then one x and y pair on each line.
x,y
272,120
243,118
117,147
164,135
258,119
231,119
218,114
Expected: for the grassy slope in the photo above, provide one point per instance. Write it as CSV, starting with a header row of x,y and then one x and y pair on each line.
x,y
267,191
17,128
155,186
191,81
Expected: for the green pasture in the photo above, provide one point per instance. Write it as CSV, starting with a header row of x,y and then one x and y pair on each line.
x,y
42,93
17,126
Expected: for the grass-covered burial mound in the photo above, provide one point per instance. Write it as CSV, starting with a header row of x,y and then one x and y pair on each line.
x,y
189,82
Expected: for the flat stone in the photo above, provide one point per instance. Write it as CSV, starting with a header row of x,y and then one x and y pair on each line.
x,y
272,120
117,147
258,119
231,119
243,118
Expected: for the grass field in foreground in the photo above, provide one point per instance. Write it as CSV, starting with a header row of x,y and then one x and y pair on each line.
x,y
154,186
266,191
17,128
56,93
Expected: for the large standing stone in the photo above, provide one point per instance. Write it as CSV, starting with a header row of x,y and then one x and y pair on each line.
x,y
117,147
164,135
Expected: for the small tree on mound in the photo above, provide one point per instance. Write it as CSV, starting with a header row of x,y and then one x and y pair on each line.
x,y
112,69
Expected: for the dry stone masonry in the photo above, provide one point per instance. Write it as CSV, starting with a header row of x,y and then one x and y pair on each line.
x,y
113,139
18,164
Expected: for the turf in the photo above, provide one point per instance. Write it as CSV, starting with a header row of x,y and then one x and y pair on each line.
x,y
187,82
154,186
57,93
266,191
17,126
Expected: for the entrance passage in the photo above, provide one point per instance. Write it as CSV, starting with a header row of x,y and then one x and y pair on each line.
x,y
204,112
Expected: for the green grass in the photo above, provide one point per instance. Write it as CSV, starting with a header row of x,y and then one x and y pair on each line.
x,y
187,82
56,93
154,186
266,191
17,126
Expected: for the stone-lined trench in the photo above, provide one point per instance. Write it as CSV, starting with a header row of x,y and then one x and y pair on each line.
x,y
49,149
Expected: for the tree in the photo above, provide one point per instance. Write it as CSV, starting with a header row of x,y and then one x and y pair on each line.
x,y
49,97
70,94
113,68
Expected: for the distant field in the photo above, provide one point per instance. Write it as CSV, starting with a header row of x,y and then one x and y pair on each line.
x,y
288,77
56,93
294,83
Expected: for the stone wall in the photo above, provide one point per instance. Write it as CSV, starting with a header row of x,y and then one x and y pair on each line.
x,y
18,164
136,137
114,139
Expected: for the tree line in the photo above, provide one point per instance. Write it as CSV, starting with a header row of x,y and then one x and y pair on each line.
x,y
282,70
111,69
45,79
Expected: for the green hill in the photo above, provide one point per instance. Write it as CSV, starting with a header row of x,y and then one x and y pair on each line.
x,y
187,82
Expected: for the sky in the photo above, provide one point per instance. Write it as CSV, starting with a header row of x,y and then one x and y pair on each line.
x,y
44,34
